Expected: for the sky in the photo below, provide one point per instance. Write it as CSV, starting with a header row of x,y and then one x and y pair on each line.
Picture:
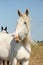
x,y
9,16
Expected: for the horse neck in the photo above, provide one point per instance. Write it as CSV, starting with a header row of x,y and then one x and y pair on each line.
x,y
25,41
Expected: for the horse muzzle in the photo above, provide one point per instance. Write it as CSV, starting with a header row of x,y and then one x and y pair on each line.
x,y
17,38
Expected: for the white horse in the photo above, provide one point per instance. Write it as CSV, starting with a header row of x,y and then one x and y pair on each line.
x,y
17,47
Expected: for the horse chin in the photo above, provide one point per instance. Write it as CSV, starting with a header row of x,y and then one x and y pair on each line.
x,y
17,41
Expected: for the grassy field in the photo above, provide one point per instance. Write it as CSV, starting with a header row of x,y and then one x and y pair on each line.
x,y
37,55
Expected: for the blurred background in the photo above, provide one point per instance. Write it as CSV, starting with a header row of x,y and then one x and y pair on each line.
x,y
9,16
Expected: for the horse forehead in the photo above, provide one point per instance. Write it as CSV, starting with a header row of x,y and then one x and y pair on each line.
x,y
23,19
20,19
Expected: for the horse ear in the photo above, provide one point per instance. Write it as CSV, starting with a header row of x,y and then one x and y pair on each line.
x,y
19,13
5,28
27,12
2,28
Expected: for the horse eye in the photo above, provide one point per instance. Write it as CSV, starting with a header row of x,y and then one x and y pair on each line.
x,y
25,23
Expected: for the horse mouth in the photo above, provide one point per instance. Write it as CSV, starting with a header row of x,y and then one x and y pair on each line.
x,y
17,40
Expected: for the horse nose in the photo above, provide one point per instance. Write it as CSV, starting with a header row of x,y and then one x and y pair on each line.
x,y
16,37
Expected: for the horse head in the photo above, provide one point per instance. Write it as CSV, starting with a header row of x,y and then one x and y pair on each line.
x,y
23,24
